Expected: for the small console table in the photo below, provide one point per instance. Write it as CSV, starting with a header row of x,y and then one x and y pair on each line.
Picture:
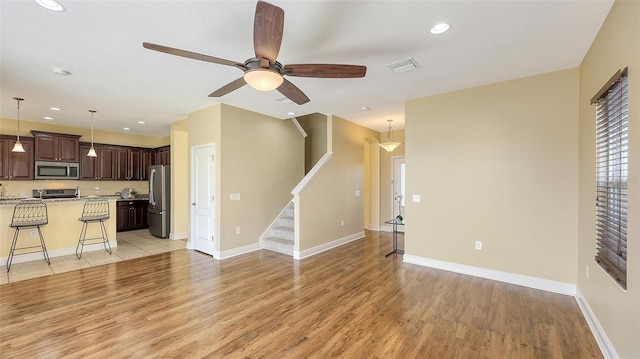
x,y
395,223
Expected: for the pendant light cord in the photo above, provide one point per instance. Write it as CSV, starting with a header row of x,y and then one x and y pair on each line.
x,y
18,99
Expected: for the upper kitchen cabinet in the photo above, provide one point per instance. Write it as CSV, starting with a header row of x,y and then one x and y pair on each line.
x,y
16,165
162,156
132,163
101,167
146,161
51,146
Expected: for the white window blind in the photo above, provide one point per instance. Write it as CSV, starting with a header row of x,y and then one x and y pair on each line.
x,y
612,168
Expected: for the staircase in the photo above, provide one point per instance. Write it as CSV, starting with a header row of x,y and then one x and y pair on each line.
x,y
280,235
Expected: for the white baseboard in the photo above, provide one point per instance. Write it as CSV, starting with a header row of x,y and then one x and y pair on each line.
x,y
607,349
238,251
181,235
372,228
523,280
54,253
326,246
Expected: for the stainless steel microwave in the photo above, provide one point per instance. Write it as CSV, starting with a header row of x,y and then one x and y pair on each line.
x,y
57,170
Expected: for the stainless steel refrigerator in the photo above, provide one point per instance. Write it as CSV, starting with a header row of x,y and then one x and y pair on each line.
x,y
159,200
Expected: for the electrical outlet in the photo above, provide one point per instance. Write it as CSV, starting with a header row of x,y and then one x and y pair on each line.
x,y
23,193
32,234
416,198
478,245
237,230
357,193
234,196
342,223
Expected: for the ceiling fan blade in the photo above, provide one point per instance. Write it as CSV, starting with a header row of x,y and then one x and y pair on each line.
x,y
292,92
267,31
191,55
231,86
325,70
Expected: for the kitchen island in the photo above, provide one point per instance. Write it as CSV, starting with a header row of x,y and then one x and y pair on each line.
x,y
60,234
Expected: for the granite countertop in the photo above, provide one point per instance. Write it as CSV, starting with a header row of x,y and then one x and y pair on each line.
x,y
136,198
15,200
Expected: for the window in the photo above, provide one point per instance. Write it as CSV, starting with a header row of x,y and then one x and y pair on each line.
x,y
612,142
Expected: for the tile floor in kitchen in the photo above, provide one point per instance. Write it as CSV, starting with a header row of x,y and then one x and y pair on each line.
x,y
131,244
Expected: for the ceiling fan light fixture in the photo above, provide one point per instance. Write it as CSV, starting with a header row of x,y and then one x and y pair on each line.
x,y
263,79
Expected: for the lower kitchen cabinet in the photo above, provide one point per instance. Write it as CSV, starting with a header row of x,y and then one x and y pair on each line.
x,y
132,214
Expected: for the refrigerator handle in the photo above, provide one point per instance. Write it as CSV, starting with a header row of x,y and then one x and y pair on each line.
x,y
152,200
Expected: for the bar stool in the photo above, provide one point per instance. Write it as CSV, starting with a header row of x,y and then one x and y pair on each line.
x,y
94,211
30,213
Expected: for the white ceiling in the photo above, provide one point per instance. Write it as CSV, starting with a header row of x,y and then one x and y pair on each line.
x,y
100,43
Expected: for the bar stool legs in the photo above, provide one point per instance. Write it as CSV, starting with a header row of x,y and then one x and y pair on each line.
x,y
94,211
28,214
83,234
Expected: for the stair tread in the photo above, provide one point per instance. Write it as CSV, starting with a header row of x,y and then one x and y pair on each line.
x,y
278,239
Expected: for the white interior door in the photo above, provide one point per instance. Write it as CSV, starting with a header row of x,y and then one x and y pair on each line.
x,y
202,198
398,187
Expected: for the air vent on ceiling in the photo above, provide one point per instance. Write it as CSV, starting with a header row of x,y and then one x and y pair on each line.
x,y
283,100
403,65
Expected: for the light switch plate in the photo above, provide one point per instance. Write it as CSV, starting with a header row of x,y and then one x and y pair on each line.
x,y
416,198
234,196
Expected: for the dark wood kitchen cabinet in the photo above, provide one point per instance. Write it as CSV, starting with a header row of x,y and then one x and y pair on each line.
x,y
131,215
129,163
16,165
146,161
162,156
51,146
101,167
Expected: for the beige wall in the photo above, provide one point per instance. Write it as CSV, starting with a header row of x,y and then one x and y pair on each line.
x,y
62,231
315,144
497,164
87,188
10,127
203,127
372,184
616,46
386,175
330,197
180,196
262,158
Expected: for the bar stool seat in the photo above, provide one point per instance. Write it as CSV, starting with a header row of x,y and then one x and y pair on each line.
x,y
94,211
29,213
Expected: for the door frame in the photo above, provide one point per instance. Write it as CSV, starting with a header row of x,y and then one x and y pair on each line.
x,y
396,160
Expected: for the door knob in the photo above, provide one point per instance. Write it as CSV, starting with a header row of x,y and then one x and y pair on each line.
x,y
193,204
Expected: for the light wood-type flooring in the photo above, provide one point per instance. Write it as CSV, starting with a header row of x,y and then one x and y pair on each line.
x,y
348,302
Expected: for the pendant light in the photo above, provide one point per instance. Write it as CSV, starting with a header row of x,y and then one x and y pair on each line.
x,y
92,151
18,146
390,145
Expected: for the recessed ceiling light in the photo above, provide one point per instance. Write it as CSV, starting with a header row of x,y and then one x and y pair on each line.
x,y
438,29
364,108
291,113
55,108
48,118
61,72
126,128
141,122
50,5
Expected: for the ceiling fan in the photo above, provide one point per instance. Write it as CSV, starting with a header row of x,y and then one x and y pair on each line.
x,y
263,72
